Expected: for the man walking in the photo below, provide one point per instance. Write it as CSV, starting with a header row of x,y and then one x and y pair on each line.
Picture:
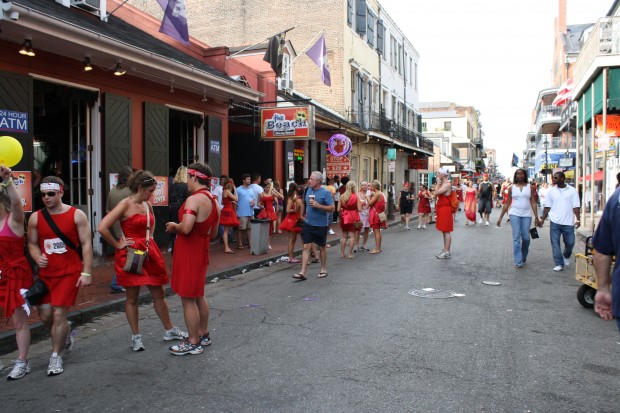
x,y
562,206
485,194
245,203
319,204
53,236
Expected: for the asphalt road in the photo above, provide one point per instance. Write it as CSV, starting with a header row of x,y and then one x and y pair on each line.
x,y
357,341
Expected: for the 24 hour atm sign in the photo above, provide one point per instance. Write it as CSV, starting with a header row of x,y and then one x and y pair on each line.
x,y
11,121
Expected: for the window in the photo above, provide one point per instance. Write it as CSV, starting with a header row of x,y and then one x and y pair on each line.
x,y
415,76
424,127
380,38
355,165
405,68
366,169
394,108
399,60
370,34
354,75
392,49
375,172
360,17
447,126
411,73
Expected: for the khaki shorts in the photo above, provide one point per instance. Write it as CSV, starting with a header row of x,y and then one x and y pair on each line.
x,y
244,223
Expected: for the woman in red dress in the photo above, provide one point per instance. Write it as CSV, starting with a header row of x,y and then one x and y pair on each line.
x,y
349,208
377,205
132,213
199,219
445,221
228,216
16,272
290,222
267,200
424,206
470,203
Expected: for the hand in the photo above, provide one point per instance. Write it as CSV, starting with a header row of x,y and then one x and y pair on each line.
x,y
499,223
124,243
577,224
83,281
5,173
42,261
171,227
602,304
312,203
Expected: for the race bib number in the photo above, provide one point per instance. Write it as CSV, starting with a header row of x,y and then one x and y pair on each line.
x,y
54,246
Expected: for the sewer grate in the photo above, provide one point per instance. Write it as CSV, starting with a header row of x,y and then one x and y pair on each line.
x,y
433,293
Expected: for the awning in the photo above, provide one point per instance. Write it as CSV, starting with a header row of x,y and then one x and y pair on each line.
x,y
598,176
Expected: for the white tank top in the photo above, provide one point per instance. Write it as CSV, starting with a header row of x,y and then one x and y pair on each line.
x,y
521,201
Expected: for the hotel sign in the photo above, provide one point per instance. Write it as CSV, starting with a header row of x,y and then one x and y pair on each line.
x,y
287,123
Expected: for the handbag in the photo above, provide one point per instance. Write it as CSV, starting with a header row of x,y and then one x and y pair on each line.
x,y
136,257
534,233
35,293
382,217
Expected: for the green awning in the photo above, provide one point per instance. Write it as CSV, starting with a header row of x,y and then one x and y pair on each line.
x,y
580,111
614,88
598,94
587,115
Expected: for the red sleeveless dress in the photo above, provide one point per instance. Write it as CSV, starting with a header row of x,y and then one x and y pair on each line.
x,y
269,212
289,223
349,214
373,213
154,269
191,254
16,272
445,221
228,216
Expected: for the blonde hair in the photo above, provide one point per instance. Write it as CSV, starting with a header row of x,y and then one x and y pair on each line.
x,y
376,184
351,188
181,175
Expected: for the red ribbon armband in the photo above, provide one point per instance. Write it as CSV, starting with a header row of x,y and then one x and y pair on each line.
x,y
191,212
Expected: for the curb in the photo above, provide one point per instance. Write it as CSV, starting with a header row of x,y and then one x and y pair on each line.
x,y
81,316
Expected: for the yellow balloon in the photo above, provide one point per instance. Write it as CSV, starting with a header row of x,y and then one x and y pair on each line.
x,y
11,151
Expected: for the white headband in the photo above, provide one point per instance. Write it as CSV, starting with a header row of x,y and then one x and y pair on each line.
x,y
50,186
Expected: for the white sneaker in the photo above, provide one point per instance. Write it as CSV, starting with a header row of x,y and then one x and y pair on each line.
x,y
486,223
20,369
55,367
419,226
558,268
175,333
480,221
136,343
331,232
443,255
407,227
566,261
423,226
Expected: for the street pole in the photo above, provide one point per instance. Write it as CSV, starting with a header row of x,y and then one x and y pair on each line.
x,y
546,144
390,204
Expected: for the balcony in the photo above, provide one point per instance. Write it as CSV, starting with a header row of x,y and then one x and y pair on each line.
x,y
602,49
377,122
548,120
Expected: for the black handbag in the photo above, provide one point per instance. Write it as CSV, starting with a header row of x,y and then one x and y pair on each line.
x,y
534,233
35,293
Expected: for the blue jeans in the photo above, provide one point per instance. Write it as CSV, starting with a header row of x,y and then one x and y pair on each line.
x,y
568,233
520,238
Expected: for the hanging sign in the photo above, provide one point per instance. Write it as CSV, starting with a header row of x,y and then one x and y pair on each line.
x,y
23,183
418,163
605,137
287,123
339,145
337,165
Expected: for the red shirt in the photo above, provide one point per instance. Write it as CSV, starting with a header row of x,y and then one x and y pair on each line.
x,y
61,260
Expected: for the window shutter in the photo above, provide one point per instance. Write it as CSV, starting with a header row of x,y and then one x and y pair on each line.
x,y
380,36
360,16
350,13
370,36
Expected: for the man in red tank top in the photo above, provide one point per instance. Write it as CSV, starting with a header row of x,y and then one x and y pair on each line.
x,y
60,266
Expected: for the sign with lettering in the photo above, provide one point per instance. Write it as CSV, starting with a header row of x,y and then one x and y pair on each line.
x,y
418,163
337,165
160,196
11,121
287,123
23,183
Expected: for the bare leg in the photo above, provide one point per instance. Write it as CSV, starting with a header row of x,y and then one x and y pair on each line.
x,y
351,244
160,305
203,310
45,314
292,237
323,253
447,241
225,238
192,318
22,333
305,257
365,237
60,328
343,244
131,309
377,233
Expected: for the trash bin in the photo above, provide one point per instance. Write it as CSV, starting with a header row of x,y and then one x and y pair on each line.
x,y
259,230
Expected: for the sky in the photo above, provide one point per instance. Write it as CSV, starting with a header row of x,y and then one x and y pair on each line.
x,y
493,55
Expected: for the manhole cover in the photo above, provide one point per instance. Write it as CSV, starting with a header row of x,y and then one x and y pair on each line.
x,y
491,283
433,293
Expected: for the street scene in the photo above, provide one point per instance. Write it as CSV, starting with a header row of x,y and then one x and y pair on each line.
x,y
358,340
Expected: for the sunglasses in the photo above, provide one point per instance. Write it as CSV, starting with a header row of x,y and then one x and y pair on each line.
x,y
49,194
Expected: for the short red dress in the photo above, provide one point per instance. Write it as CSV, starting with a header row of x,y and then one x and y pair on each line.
x,y
191,254
268,213
373,214
289,223
16,272
445,220
349,214
228,216
424,205
154,269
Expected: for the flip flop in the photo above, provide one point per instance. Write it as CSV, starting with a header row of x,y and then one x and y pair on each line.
x,y
300,277
315,261
229,252
322,274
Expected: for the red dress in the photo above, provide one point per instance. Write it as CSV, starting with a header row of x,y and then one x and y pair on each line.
x,y
424,205
289,223
191,254
16,272
268,213
445,221
373,213
154,269
349,214
228,216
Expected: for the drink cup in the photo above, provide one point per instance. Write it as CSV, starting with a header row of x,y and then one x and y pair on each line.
x,y
311,198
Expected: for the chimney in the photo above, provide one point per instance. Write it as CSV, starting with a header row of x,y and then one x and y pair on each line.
x,y
562,16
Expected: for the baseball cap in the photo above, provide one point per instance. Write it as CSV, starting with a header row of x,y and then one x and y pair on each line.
x,y
443,171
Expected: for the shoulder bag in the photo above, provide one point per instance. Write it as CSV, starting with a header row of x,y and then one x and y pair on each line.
x,y
135,257
59,233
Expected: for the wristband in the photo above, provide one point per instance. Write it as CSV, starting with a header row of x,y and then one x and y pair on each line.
x,y
7,183
85,274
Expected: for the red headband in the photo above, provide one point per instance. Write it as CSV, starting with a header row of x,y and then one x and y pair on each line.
x,y
197,174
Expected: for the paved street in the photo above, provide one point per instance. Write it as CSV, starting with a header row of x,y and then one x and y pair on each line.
x,y
357,341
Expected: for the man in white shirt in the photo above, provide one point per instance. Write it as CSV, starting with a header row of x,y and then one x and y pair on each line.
x,y
257,190
562,207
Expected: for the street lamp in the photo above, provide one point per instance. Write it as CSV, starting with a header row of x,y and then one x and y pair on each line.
x,y
390,205
546,145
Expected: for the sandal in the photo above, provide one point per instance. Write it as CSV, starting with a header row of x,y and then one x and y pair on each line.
x,y
241,247
229,252
315,261
300,277
375,252
322,274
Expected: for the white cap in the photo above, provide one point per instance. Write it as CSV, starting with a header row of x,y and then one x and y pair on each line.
x,y
443,171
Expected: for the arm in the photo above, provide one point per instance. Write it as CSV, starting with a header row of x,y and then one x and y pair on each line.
x,y
445,188
33,242
187,223
16,222
230,195
373,198
534,205
398,201
84,234
108,221
544,217
505,208
602,300
359,204
577,222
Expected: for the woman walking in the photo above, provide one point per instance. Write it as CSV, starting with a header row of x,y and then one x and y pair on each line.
x,y
16,272
424,206
522,201
291,222
443,208
405,203
470,203
228,217
377,203
349,206
132,212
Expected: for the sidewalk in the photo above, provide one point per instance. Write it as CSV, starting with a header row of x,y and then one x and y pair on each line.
x,y
96,300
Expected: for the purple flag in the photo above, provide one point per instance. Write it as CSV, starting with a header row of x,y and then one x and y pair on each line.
x,y
174,23
318,54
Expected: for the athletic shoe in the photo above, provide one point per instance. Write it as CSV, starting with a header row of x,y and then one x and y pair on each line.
x,y
480,221
136,343
205,340
69,340
443,255
558,268
400,224
419,226
331,232
566,261
20,369
407,227
486,223
185,347
175,333
423,226
117,290
55,366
